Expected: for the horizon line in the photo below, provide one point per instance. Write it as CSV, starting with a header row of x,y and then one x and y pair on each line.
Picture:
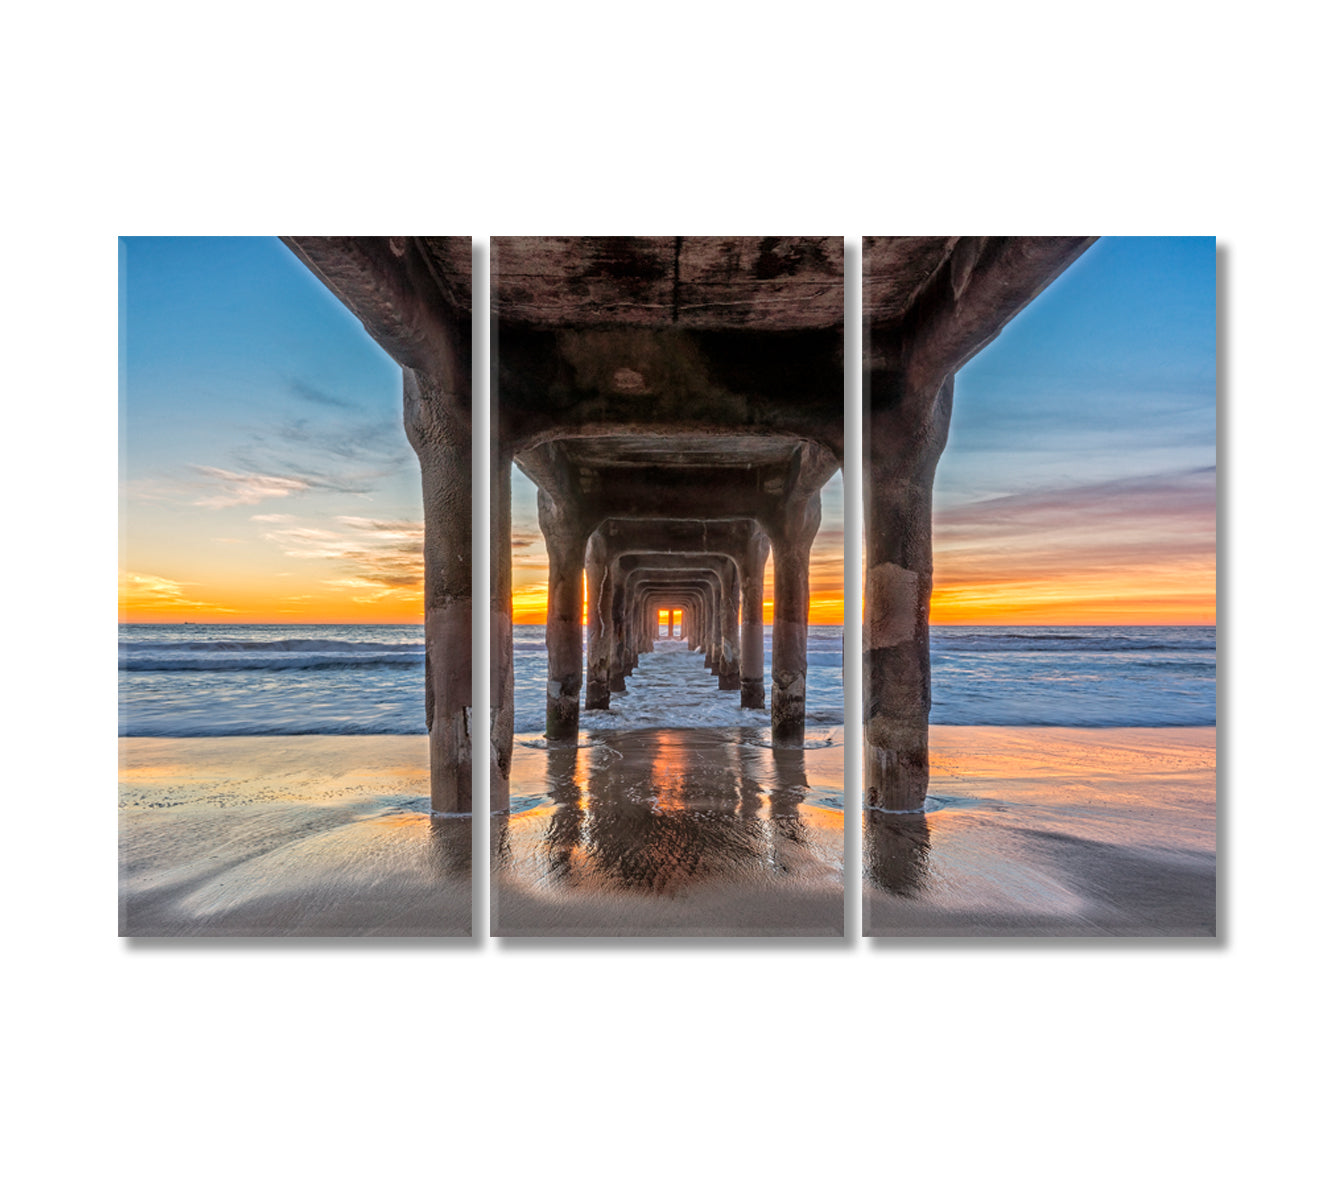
x,y
767,624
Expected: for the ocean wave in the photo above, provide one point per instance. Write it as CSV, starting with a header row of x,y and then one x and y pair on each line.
x,y
207,727
1001,646
278,645
161,662
1191,639
263,680
1138,720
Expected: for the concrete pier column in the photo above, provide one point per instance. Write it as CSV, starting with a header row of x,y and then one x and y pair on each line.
x,y
502,632
904,438
719,620
629,630
692,621
792,600
597,694
624,651
710,638
729,666
566,540
713,624
413,297
644,614
752,621
439,426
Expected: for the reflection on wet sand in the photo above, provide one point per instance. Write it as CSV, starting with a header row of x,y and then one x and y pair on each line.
x,y
1050,832
649,831
451,848
896,850
287,836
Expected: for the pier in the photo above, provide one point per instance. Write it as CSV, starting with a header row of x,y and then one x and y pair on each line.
x,y
679,403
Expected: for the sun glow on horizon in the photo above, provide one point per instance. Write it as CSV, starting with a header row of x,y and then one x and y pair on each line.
x,y
150,599
1040,602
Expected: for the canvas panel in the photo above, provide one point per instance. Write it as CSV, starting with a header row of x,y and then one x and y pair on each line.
x,y
1039,639
280,775
666,690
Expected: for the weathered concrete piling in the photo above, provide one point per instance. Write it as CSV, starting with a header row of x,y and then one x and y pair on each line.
x,y
414,296
928,305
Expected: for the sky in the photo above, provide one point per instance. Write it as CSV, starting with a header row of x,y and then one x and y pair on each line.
x,y
265,472
266,476
1078,482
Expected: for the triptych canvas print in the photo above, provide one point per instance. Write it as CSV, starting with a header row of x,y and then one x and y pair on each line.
x,y
679,738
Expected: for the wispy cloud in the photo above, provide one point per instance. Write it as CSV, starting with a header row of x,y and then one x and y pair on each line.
x,y
331,454
225,488
1125,549
378,527
233,488
346,452
316,395
1129,523
382,558
154,592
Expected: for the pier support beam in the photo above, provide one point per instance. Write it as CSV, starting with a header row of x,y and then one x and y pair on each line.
x,y
792,602
566,541
413,295
752,621
624,641
729,666
502,632
928,306
904,438
597,694
436,417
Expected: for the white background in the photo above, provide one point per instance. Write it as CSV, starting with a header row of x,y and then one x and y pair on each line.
x,y
1057,1069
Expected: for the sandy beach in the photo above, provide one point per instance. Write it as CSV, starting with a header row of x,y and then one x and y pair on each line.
x,y
287,836
685,832
688,832
1051,832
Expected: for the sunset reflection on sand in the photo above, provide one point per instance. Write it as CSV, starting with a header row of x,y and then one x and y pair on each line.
x,y
665,831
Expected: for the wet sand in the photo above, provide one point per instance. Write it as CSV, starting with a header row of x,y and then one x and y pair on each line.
x,y
1051,833
1031,832
671,832
287,836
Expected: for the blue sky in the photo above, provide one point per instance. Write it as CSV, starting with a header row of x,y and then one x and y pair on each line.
x,y
1109,373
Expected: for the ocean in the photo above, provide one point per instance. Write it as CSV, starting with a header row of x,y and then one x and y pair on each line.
x,y
228,680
